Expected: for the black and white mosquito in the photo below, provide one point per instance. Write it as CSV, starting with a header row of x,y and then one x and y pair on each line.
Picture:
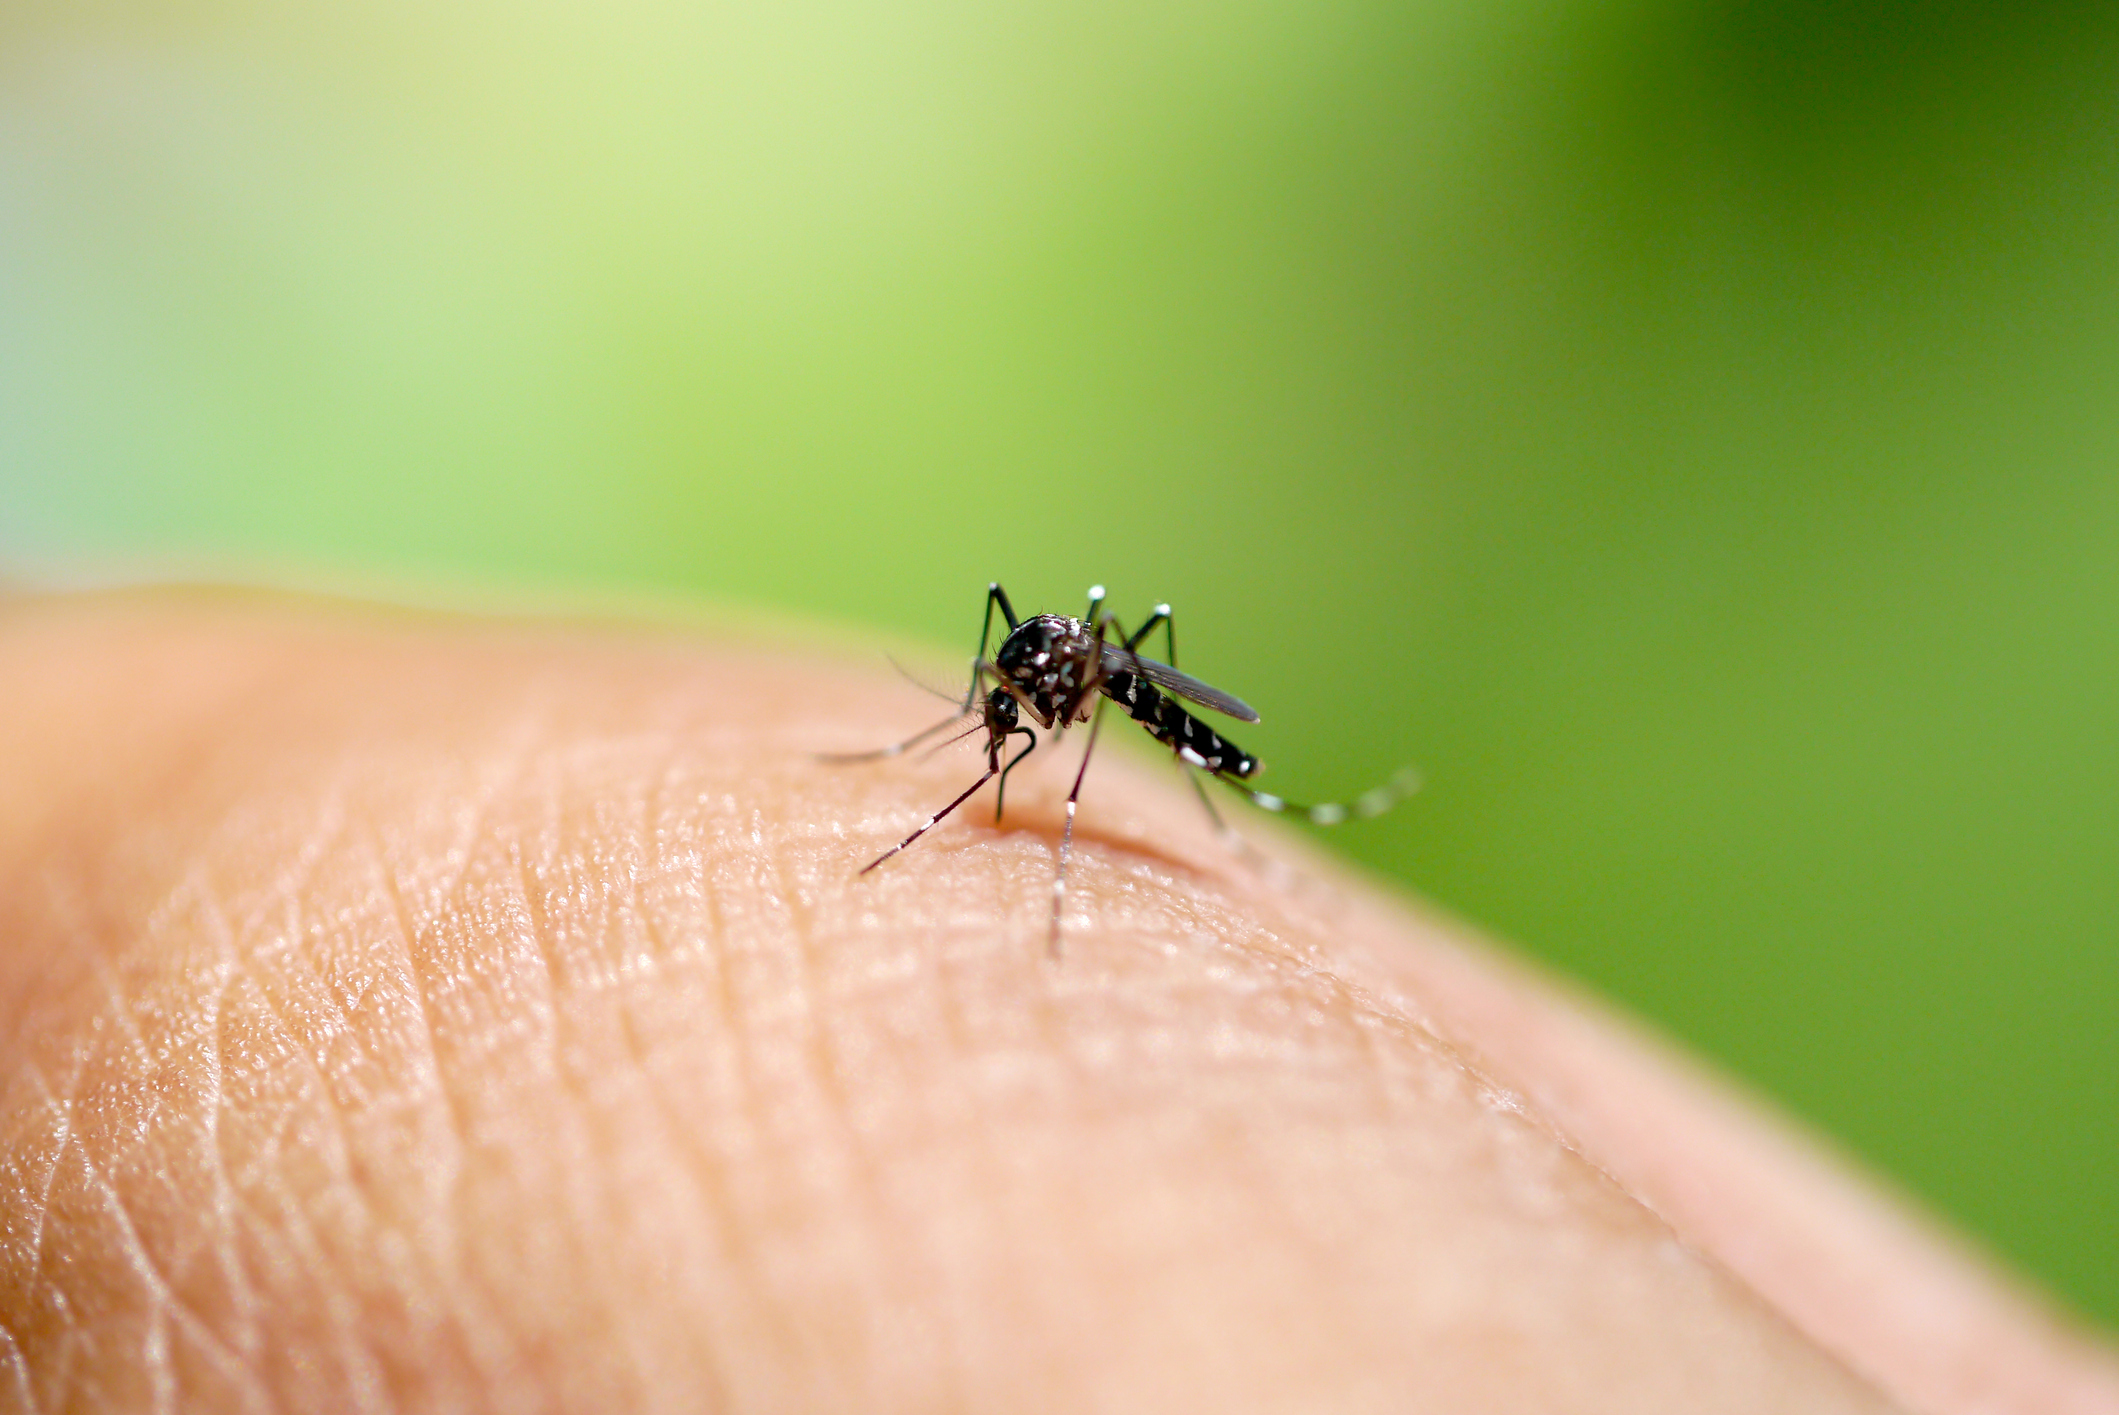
x,y
1060,671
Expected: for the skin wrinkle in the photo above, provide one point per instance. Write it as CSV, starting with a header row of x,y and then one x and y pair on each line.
x,y
979,1158
953,1383
303,1244
546,981
648,842
785,1068
271,951
752,1272
61,1102
164,1305
717,1387
189,897
818,1049
246,1340
458,1129
226,1221
619,971
267,948
936,1354
119,1012
340,1157
459,854
455,1132
18,1367
1043,1004
1277,1213
162,1299
1699,1122
155,1358
721,956
1374,1014
941,1378
720,1158
782,1055
582,975
287,887
59,1374
482,1065
579,982
934,1348
1345,997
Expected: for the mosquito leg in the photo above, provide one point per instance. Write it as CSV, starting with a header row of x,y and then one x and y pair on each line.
x,y
993,769
1369,803
1000,793
1059,880
1221,827
1160,619
995,595
1096,722
905,746
1104,623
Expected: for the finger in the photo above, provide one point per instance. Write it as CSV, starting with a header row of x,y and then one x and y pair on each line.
x,y
419,1015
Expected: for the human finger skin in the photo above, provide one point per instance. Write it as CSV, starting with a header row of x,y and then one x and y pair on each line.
x,y
402,1013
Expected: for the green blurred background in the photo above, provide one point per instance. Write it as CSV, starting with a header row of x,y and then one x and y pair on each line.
x,y
1687,430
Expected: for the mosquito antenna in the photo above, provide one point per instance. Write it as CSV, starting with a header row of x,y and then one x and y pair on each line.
x,y
978,726
908,744
923,685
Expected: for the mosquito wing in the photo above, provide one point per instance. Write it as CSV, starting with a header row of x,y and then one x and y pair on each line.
x,y
1183,685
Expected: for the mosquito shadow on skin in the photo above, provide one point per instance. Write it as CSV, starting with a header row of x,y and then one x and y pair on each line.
x,y
1140,848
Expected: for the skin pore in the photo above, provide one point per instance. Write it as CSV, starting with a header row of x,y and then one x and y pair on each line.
x,y
403,1013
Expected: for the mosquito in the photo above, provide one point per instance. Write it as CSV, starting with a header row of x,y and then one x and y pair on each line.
x,y
1061,671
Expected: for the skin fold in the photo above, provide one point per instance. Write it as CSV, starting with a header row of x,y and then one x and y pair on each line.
x,y
406,1013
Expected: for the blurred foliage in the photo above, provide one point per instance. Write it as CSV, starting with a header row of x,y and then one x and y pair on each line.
x,y
1686,430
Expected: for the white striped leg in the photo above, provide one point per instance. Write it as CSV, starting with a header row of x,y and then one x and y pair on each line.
x,y
1369,803
993,769
1059,880
1221,827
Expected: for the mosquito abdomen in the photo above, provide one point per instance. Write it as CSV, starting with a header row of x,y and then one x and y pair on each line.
x,y
1195,743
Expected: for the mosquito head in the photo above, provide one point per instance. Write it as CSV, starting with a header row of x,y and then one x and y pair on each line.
x,y
1001,715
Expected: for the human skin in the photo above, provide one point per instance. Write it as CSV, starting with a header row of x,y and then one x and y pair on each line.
x,y
406,1013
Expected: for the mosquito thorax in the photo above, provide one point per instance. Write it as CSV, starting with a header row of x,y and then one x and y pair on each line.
x,y
1050,659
